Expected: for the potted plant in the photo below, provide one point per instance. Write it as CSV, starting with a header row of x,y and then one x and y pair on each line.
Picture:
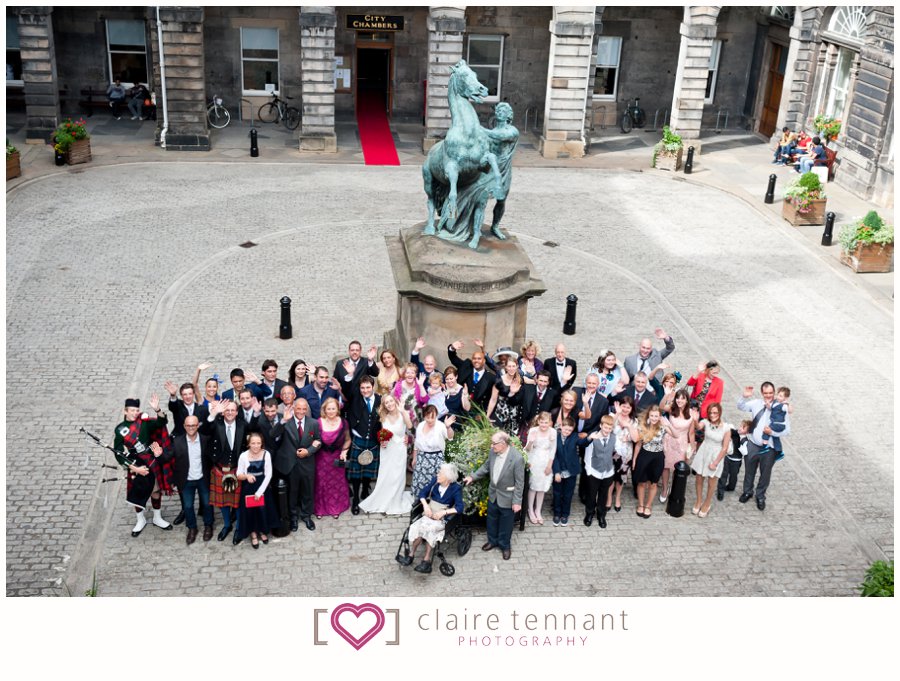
x,y
804,201
13,166
73,141
667,152
867,244
827,127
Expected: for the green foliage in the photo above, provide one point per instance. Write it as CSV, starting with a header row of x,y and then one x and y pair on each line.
x,y
68,133
92,592
670,144
10,149
879,579
803,191
469,449
826,126
870,229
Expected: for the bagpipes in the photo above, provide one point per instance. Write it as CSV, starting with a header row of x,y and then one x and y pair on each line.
x,y
122,458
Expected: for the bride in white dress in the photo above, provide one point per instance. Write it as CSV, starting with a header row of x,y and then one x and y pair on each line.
x,y
390,495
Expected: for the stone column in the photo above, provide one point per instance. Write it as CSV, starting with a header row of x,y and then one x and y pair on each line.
x,y
568,77
184,98
39,73
446,27
798,72
697,34
865,128
317,26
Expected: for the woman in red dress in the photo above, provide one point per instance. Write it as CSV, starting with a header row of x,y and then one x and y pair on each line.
x,y
708,387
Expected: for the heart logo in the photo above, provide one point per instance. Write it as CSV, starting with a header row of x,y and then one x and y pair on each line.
x,y
357,610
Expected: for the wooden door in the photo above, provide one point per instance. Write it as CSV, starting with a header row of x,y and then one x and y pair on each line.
x,y
774,83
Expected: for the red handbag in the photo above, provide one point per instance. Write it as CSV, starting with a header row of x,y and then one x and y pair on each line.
x,y
250,501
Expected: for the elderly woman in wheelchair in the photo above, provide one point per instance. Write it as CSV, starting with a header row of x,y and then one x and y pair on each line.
x,y
440,500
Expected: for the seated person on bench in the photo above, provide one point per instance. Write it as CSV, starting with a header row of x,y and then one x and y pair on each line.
x,y
116,94
815,157
786,146
136,106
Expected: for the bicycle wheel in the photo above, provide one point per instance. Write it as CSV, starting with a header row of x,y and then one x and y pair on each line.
x,y
627,123
218,116
291,118
268,112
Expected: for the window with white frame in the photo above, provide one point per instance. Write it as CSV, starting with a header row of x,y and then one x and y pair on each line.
x,y
606,69
485,57
259,60
713,72
13,53
127,46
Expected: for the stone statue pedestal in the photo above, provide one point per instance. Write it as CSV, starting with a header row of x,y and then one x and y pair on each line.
x,y
447,291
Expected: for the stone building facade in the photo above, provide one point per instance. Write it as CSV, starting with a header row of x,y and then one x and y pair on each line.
x,y
566,70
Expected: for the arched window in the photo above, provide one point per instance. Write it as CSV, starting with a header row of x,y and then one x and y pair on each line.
x,y
841,42
849,22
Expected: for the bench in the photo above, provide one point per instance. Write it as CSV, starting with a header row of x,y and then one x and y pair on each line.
x,y
829,162
95,98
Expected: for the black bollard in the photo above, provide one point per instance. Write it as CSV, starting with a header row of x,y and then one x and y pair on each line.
x,y
571,305
254,148
689,164
829,229
284,510
284,331
770,192
675,505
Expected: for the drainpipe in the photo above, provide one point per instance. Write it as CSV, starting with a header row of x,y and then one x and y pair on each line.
x,y
162,78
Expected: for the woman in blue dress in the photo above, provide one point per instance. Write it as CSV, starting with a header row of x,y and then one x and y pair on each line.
x,y
254,470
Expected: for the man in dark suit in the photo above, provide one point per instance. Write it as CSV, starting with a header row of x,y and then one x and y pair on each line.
x,y
362,415
349,370
186,406
248,409
295,461
192,462
269,425
271,385
473,374
595,402
562,369
228,435
538,397
643,397
318,390
239,381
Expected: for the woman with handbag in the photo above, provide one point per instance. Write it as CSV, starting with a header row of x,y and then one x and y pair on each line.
x,y
441,499
257,512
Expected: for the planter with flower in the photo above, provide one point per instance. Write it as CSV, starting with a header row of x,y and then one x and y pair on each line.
x,y
73,141
827,127
804,201
469,449
13,166
667,152
867,244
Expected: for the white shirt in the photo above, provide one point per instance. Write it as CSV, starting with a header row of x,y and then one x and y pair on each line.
x,y
244,463
498,466
195,460
435,441
588,455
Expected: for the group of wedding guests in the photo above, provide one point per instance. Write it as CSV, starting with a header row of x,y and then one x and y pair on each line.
x,y
330,434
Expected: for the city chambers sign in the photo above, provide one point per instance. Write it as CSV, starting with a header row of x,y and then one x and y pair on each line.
x,y
374,22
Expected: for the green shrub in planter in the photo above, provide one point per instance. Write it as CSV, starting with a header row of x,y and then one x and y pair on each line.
x,y
879,579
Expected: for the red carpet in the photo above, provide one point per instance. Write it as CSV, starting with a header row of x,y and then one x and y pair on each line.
x,y
374,130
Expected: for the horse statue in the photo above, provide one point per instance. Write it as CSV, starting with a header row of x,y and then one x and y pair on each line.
x,y
462,171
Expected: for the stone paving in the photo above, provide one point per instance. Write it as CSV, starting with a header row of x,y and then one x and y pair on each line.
x,y
121,277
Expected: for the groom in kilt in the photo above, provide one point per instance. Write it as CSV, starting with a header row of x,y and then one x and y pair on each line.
x,y
362,415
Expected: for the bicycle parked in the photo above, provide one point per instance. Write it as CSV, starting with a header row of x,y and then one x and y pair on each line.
x,y
278,110
216,114
633,117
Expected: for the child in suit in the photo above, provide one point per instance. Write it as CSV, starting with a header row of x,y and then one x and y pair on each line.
x,y
566,466
780,409
733,459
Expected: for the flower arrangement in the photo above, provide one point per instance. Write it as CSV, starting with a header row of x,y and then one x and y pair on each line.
x,y
10,150
826,126
669,144
870,229
803,191
469,449
68,133
384,436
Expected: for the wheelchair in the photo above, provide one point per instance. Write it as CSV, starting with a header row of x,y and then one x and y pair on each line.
x,y
454,531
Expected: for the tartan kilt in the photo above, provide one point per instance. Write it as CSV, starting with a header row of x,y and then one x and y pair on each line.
x,y
354,469
218,497
139,488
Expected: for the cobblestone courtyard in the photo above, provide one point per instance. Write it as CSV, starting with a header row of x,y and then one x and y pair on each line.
x,y
121,277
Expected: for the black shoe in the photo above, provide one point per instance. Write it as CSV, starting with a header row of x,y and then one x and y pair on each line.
x,y
487,546
730,488
310,525
224,533
406,561
295,525
602,523
745,497
761,504
588,519
720,495
235,540
179,519
618,508
608,507
507,553
423,567
355,509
